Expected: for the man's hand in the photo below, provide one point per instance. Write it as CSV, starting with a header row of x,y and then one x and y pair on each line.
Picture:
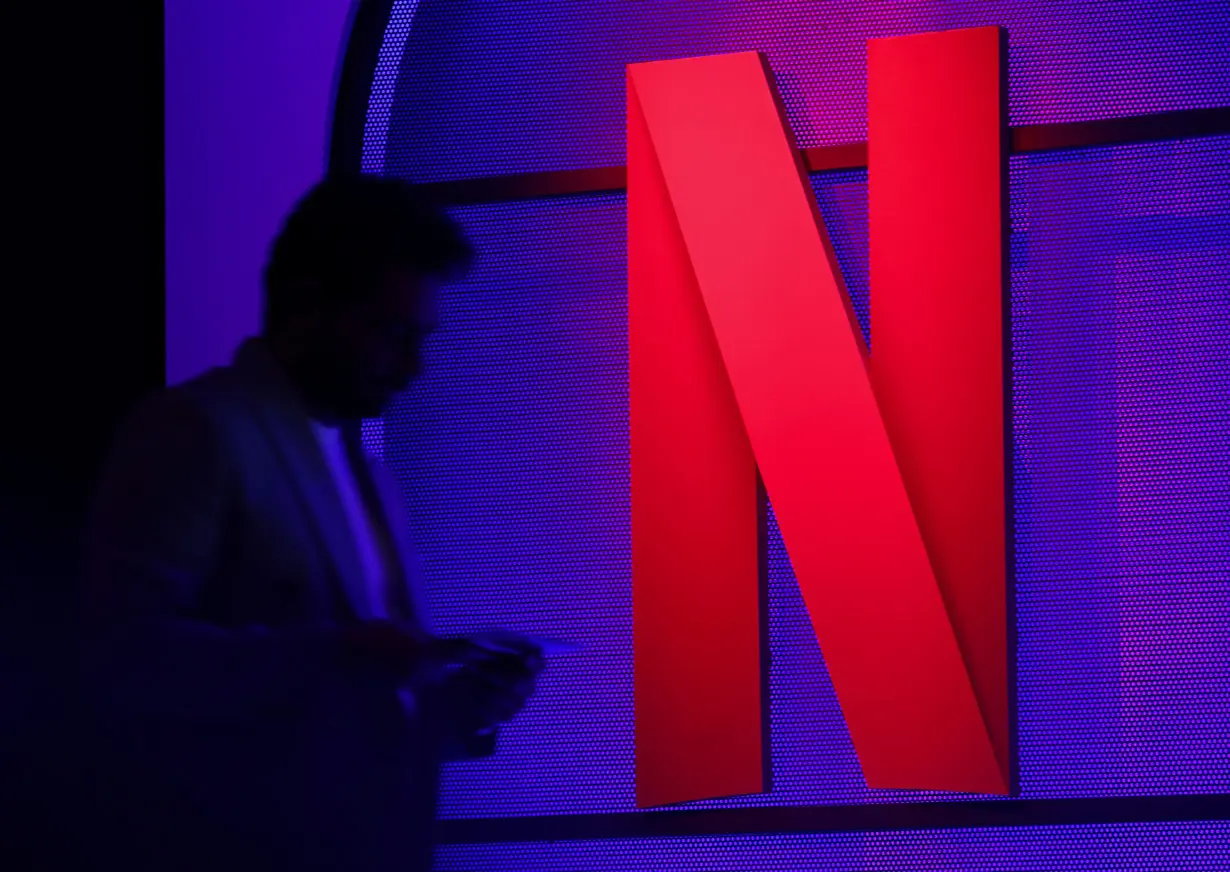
x,y
397,653
495,683
502,685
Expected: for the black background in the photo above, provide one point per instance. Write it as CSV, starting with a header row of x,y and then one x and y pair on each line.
x,y
83,337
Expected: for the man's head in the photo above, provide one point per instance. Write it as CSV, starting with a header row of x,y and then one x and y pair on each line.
x,y
350,290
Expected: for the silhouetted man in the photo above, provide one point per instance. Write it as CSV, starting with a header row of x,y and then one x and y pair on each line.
x,y
274,695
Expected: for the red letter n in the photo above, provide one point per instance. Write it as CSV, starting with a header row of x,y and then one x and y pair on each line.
x,y
886,471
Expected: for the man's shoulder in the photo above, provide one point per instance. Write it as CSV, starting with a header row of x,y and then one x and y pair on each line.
x,y
210,403
219,384
215,392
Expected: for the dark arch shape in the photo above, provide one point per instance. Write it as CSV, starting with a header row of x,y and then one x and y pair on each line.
x,y
368,20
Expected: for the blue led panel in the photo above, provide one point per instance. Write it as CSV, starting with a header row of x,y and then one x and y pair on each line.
x,y
513,452
1189,847
487,88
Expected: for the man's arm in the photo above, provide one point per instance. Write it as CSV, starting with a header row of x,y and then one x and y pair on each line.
x,y
450,700
155,538
466,705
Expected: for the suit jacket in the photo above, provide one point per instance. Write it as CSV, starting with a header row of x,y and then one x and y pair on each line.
x,y
220,564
